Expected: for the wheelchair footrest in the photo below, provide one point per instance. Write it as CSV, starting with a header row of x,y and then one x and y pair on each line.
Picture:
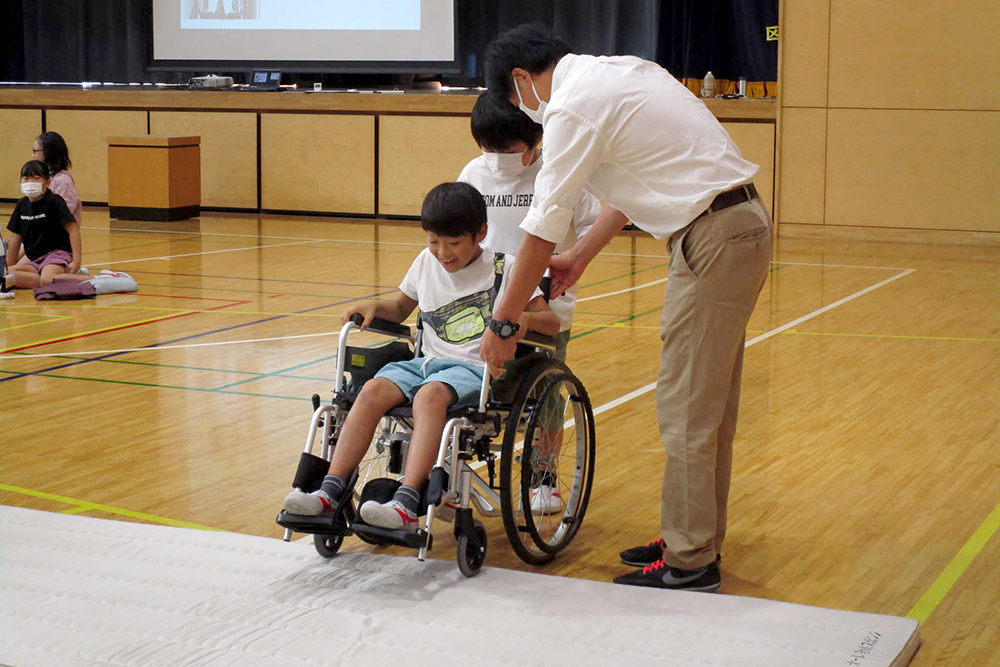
x,y
323,525
414,540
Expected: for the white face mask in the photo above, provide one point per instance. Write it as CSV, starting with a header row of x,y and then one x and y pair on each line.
x,y
533,114
506,165
32,189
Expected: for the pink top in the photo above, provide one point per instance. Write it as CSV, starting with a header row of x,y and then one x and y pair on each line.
x,y
63,185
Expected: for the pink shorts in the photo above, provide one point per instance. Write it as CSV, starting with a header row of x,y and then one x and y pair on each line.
x,y
55,257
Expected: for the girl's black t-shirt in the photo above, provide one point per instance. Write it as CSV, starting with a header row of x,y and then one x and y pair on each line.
x,y
42,224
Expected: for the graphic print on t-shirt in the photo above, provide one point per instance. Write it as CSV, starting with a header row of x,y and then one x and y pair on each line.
x,y
467,317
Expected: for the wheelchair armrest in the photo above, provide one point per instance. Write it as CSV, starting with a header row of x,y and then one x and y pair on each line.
x,y
381,326
536,339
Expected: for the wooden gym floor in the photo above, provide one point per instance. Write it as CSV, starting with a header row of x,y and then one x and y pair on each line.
x,y
867,473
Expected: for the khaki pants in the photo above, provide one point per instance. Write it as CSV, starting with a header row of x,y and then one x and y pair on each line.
x,y
718,265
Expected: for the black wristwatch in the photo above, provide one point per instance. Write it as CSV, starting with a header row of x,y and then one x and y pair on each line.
x,y
504,328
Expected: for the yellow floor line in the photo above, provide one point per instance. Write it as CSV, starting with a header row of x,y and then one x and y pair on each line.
x,y
197,310
88,333
946,580
51,318
860,335
85,505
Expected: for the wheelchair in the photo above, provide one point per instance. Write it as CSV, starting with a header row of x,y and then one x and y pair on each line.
x,y
536,422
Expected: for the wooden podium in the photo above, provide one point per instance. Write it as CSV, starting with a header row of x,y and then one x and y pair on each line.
x,y
154,177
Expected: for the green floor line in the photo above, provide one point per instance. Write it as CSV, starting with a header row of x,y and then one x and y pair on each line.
x,y
86,505
622,321
187,368
160,386
276,373
625,275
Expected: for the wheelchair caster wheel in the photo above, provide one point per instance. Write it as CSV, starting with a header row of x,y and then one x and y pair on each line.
x,y
471,557
327,546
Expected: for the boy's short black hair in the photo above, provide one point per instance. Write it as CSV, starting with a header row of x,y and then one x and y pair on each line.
x,y
453,209
55,151
530,46
34,169
497,124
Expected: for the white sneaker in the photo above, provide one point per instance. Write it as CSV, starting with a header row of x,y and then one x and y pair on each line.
x,y
392,515
546,500
307,504
113,282
83,271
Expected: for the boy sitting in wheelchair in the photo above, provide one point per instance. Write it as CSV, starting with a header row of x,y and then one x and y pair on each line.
x,y
454,284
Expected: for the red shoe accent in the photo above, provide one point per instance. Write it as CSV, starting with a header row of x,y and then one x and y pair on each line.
x,y
406,519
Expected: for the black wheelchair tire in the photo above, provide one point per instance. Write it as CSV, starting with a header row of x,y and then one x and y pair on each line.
x,y
470,559
327,546
543,375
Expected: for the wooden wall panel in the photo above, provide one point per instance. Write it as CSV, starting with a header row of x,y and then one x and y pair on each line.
x,y
228,153
805,31
756,142
86,133
415,154
802,177
318,163
914,55
18,129
918,169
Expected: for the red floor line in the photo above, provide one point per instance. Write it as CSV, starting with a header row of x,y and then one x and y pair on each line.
x,y
193,298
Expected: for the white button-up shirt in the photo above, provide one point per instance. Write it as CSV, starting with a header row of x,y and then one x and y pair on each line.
x,y
628,132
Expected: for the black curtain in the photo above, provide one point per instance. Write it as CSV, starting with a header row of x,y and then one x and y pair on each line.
x,y
110,40
728,37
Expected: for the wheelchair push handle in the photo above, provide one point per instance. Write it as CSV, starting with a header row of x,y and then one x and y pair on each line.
x,y
378,325
539,340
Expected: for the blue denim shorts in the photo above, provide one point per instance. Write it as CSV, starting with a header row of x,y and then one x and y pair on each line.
x,y
465,378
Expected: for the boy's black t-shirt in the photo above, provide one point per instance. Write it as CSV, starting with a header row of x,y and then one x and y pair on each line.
x,y
42,225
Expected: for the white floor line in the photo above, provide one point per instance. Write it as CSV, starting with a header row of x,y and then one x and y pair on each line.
x,y
194,254
168,347
401,243
622,291
610,405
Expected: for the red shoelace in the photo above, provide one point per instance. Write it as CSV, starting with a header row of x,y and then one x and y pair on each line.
x,y
656,565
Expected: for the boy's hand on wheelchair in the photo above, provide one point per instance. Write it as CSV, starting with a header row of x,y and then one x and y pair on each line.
x,y
365,310
495,351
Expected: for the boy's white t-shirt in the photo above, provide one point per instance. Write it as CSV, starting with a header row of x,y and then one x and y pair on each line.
x,y
508,201
456,307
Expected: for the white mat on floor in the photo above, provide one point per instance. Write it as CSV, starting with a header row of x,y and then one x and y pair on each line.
x,y
82,591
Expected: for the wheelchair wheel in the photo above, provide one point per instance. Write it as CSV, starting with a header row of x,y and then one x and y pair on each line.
x,y
547,462
327,546
471,558
385,455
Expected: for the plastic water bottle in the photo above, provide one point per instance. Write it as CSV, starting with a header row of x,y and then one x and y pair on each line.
x,y
708,85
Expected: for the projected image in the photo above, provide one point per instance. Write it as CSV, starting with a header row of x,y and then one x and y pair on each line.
x,y
223,9
302,14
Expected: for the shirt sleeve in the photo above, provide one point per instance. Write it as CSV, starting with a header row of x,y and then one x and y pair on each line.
x,y
585,214
412,278
14,224
573,150
464,176
63,186
65,215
